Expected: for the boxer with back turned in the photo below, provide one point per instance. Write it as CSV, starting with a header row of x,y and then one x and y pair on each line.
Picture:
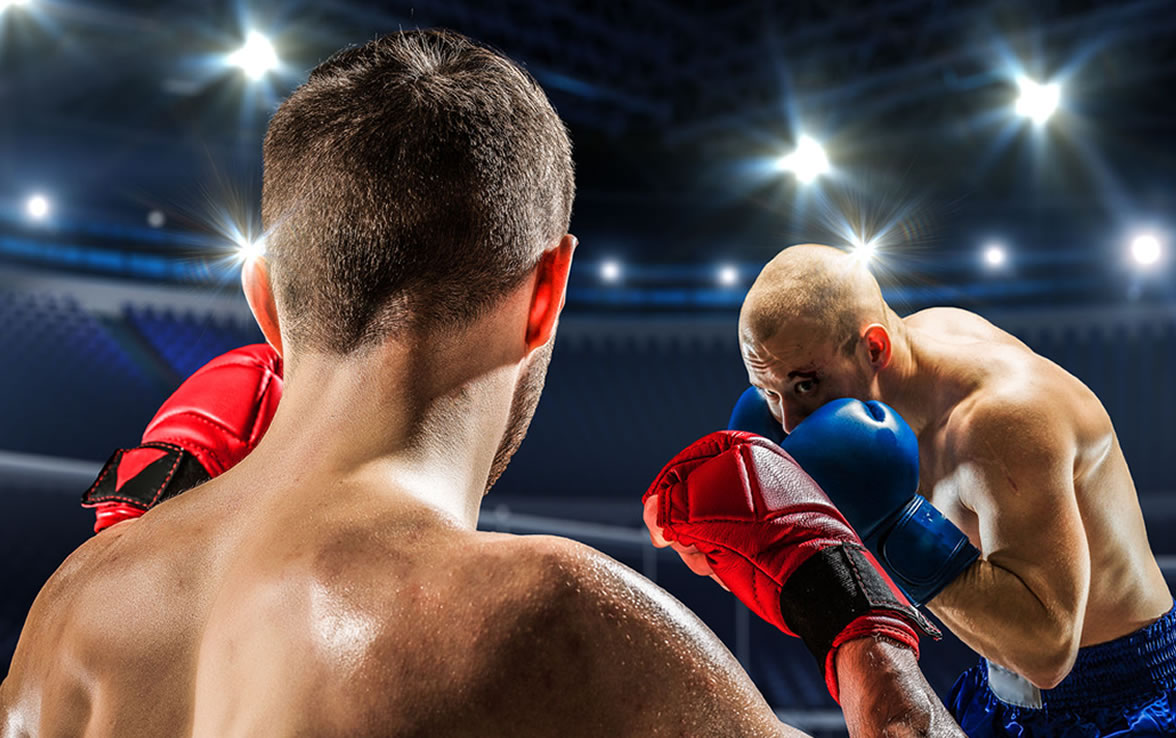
x,y
1026,537
417,196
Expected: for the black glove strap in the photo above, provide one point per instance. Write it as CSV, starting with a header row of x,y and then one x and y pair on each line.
x,y
150,474
831,589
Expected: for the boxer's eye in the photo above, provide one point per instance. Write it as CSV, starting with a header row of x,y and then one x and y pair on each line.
x,y
805,387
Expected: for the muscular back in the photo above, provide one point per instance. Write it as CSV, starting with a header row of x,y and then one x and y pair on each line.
x,y
213,617
1025,460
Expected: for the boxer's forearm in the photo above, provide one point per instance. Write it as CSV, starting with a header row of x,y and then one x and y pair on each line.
x,y
995,612
884,693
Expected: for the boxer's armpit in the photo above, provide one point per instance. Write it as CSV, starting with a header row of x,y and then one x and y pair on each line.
x,y
647,665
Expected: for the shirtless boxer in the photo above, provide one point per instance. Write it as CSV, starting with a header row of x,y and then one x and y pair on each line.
x,y
417,195
1065,600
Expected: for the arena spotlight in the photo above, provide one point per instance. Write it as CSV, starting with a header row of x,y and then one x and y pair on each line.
x,y
863,249
37,207
248,250
610,271
728,275
1037,101
1146,249
6,4
806,162
994,255
256,57
156,219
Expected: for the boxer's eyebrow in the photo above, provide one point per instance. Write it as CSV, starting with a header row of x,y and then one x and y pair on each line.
x,y
806,373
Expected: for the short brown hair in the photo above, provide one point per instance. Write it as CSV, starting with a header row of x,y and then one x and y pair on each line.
x,y
410,183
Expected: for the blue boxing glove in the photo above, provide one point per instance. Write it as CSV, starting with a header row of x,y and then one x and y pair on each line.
x,y
751,414
866,458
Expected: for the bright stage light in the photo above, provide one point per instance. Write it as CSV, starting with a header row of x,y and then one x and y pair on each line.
x,y
37,207
156,219
5,4
994,255
1146,249
1037,101
728,276
807,162
249,250
864,249
610,271
256,57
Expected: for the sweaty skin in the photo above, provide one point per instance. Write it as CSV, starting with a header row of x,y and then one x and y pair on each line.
x,y
1013,449
333,583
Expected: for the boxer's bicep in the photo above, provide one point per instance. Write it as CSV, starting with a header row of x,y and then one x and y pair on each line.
x,y
1022,604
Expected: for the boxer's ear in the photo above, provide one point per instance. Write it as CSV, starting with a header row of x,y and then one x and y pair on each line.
x,y
260,295
878,346
549,291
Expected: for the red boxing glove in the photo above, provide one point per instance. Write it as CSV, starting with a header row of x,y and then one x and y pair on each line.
x,y
776,541
211,422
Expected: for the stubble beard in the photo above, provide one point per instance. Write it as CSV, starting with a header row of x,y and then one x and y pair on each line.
x,y
522,409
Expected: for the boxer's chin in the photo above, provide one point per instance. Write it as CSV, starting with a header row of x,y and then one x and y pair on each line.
x,y
522,409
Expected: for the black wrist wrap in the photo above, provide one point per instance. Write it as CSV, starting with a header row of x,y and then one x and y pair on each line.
x,y
170,471
834,587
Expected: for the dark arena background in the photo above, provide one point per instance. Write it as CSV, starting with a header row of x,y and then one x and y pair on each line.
x,y
1015,159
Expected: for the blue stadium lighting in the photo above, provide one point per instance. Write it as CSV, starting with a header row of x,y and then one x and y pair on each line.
x,y
156,219
1146,249
610,271
256,58
995,255
1037,101
806,162
37,207
728,275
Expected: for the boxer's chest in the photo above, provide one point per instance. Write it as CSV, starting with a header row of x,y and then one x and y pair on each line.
x,y
943,481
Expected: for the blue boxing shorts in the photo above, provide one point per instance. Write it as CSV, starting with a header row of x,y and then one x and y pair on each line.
x,y
1126,687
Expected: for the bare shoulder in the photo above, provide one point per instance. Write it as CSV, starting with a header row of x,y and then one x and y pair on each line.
x,y
56,646
574,594
956,324
1025,408
547,635
606,597
1016,424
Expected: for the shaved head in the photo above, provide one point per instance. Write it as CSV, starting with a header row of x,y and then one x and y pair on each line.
x,y
814,328
812,289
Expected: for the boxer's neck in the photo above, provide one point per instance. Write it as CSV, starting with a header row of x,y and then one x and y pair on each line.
x,y
913,382
421,422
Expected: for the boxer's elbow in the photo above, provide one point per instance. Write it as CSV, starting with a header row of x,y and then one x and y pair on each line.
x,y
1049,671
1048,654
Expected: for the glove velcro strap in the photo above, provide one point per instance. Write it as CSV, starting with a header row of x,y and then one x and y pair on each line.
x,y
145,475
834,587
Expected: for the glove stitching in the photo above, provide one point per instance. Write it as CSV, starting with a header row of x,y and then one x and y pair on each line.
x,y
105,470
159,491
220,426
738,553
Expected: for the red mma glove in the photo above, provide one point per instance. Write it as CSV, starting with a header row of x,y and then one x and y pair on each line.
x,y
774,539
210,423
